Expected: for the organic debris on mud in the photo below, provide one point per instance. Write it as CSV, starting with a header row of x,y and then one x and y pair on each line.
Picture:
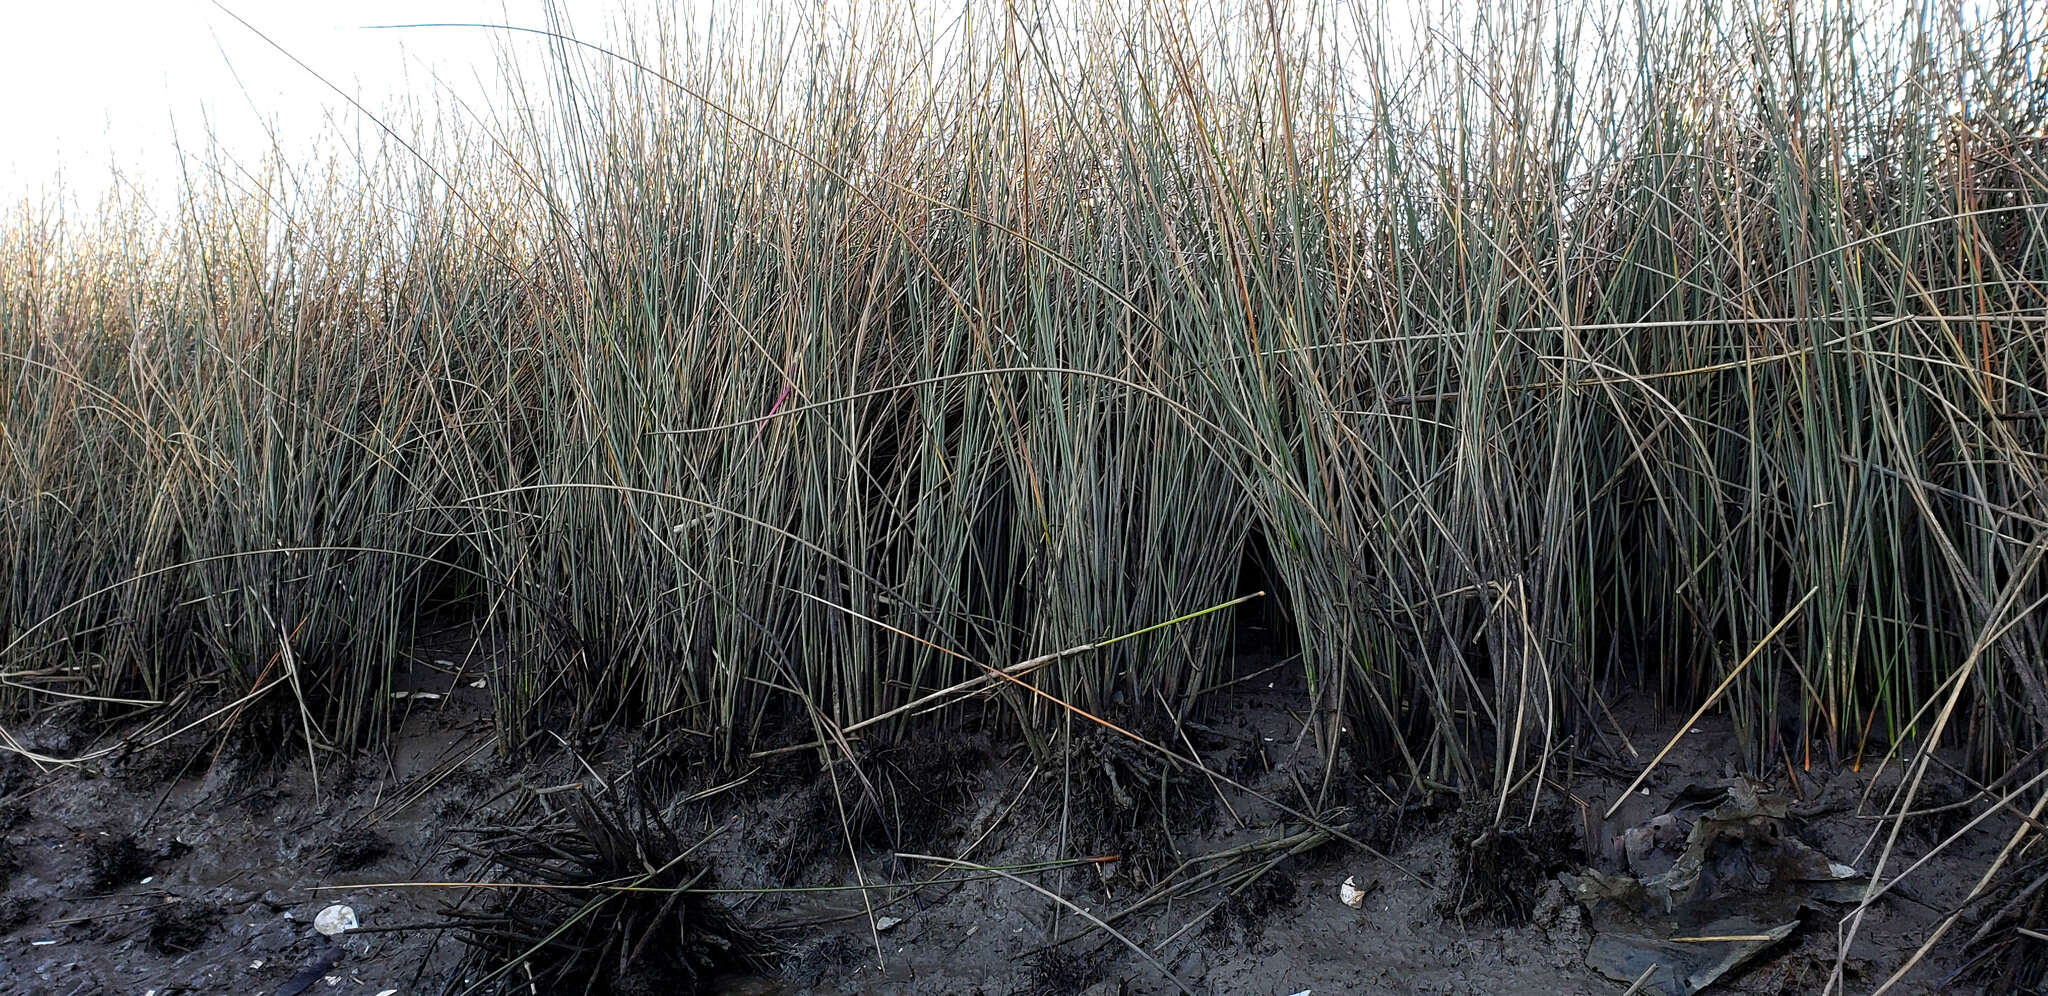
x,y
2006,953
17,911
1239,899
614,907
1393,811
899,795
1498,867
1711,884
1241,919
116,859
813,962
180,927
12,815
1059,972
354,851
1127,802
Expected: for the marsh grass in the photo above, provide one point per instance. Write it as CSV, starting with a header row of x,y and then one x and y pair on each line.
x,y
1537,360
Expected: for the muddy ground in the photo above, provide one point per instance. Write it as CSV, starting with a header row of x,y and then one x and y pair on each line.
x,y
199,865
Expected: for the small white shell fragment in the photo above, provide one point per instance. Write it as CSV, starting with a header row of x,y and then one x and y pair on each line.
x,y
146,879
888,922
1841,870
1350,893
387,992
479,683
335,920
258,963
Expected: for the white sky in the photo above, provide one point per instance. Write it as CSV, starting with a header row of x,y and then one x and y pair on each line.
x,y
113,87
93,85
99,89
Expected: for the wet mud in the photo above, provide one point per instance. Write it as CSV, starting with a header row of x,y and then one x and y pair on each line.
x,y
952,862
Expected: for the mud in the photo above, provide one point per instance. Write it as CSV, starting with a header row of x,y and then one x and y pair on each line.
x,y
198,866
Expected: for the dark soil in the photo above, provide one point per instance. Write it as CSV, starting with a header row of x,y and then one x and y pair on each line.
x,y
113,858
133,873
179,928
901,796
1126,801
1241,919
1498,868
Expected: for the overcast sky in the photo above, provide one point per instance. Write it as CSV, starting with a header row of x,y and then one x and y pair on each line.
x,y
112,87
99,89
97,83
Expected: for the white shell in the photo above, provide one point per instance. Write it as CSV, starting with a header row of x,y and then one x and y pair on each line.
x,y
335,920
1350,893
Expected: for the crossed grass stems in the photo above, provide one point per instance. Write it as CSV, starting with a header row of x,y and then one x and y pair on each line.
x,y
1688,349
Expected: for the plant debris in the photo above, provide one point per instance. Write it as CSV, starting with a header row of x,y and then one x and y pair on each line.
x,y
617,911
1127,802
1711,883
180,927
1498,869
116,860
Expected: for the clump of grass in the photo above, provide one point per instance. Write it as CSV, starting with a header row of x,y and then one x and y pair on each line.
x,y
604,897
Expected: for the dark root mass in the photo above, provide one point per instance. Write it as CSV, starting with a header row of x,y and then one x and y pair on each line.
x,y
1498,869
613,909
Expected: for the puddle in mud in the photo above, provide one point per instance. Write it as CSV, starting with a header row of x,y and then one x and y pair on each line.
x,y
196,870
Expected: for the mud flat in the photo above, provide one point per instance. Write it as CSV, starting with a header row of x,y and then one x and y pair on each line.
x,y
948,863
